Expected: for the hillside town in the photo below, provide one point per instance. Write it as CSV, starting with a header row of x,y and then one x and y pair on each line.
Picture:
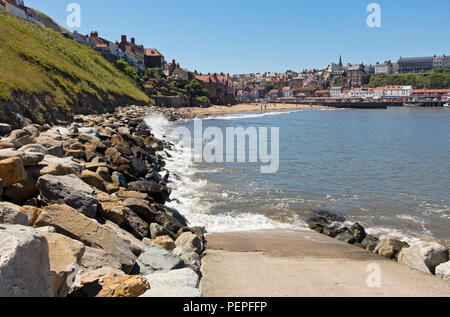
x,y
336,82
339,82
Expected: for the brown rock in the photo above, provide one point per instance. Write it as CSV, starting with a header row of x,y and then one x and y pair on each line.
x,y
54,169
77,146
103,172
112,188
89,283
94,259
64,254
124,194
116,157
7,144
69,222
75,154
112,208
20,192
166,242
32,213
22,141
94,166
124,286
93,179
17,134
12,171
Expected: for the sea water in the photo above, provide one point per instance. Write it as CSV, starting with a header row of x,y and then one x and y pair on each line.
x,y
387,169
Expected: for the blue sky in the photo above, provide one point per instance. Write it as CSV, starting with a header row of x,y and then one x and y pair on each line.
x,y
241,36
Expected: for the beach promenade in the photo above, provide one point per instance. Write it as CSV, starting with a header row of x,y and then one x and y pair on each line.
x,y
288,263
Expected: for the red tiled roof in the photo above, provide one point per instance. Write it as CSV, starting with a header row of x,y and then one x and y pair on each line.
x,y
152,52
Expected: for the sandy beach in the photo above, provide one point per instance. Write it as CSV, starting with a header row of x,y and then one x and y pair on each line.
x,y
288,263
241,108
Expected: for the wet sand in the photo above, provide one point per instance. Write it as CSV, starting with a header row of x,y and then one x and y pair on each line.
x,y
241,108
289,263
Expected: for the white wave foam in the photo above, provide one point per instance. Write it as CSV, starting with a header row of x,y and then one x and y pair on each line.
x,y
384,232
190,191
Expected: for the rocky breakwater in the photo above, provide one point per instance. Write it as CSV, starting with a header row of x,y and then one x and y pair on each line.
x,y
83,212
426,255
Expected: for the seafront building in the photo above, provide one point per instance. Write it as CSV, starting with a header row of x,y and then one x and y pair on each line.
x,y
423,64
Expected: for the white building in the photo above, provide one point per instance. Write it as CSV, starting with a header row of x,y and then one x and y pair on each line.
x,y
393,91
441,62
385,68
336,92
287,92
358,93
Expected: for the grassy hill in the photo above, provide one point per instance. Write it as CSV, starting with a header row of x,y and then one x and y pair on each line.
x,y
44,75
49,22
439,79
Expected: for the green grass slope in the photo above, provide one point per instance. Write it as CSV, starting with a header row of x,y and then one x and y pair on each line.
x,y
45,76
49,22
439,79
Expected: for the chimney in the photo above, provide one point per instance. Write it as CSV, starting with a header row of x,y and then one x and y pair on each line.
x,y
133,40
124,39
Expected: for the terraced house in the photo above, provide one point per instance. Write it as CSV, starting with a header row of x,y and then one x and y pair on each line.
x,y
18,8
220,88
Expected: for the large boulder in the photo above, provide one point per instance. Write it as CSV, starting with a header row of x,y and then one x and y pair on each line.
x,y
358,232
165,242
156,230
370,243
32,212
123,286
93,179
24,263
141,208
65,255
34,148
111,208
169,218
89,283
11,214
158,192
177,278
29,158
156,259
443,271
48,159
12,171
189,256
424,256
94,259
324,218
390,247
135,225
136,246
20,192
69,190
190,241
69,222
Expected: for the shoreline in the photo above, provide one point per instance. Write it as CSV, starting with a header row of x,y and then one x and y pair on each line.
x,y
197,112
